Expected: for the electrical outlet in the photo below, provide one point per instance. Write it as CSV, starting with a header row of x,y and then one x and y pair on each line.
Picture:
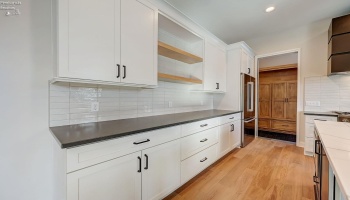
x,y
170,104
313,103
95,106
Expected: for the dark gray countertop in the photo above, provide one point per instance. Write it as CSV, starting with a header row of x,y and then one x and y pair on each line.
x,y
321,113
80,134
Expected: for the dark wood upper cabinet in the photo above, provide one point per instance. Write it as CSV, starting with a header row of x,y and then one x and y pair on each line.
x,y
339,25
339,46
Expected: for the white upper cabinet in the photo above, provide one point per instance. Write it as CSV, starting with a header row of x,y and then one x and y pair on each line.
x,y
247,63
214,68
139,34
107,41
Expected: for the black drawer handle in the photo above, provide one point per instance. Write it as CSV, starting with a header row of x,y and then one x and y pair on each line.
x,y
142,142
231,118
217,86
204,159
232,127
146,161
139,164
203,125
320,119
204,140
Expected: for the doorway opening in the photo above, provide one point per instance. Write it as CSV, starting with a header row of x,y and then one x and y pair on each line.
x,y
278,96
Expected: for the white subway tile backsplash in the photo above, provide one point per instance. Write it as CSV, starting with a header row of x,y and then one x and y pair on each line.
x,y
71,103
333,93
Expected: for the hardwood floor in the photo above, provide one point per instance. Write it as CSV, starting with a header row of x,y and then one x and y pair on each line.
x,y
265,169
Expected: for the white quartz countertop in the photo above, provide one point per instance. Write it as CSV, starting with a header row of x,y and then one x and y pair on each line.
x,y
335,137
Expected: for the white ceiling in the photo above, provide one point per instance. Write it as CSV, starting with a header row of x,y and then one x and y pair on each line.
x,y
241,20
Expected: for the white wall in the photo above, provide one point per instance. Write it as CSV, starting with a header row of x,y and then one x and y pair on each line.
x,y
25,68
311,39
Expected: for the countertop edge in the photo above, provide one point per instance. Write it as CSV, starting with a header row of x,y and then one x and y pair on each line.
x,y
100,139
321,114
332,165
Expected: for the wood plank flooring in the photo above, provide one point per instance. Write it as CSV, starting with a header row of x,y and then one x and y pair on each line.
x,y
265,169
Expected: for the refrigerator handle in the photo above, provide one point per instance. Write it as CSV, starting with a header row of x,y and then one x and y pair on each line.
x,y
250,97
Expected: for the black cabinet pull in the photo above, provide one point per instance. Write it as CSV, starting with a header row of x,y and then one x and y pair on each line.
x,y
317,148
124,71
142,142
248,70
204,140
231,118
217,86
138,157
204,159
146,161
118,75
315,179
203,125
232,127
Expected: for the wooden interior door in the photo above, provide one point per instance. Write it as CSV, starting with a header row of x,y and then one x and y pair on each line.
x,y
291,104
264,101
278,100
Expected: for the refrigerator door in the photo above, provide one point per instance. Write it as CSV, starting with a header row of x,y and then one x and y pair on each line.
x,y
248,107
248,91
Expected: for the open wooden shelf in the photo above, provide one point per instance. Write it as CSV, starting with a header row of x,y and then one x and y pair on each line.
x,y
177,54
178,79
279,67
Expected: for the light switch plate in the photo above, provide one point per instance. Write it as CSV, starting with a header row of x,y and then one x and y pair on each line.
x,y
95,107
313,103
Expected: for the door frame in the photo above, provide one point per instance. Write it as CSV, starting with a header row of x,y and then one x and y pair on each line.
x,y
300,103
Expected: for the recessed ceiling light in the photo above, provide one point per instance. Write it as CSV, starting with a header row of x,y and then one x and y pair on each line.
x,y
270,9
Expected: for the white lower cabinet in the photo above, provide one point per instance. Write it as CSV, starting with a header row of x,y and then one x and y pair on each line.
x,y
115,179
147,166
161,170
229,137
224,139
197,163
120,178
236,134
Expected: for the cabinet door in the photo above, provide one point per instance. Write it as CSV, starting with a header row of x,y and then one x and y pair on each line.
x,y
264,100
278,100
221,70
251,67
291,104
139,33
210,70
161,170
115,179
235,136
244,62
87,37
224,139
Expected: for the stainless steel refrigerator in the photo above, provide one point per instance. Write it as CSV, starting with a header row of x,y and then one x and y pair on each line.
x,y
248,108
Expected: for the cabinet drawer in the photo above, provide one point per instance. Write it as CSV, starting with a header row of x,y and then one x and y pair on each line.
x,y
195,164
91,154
309,130
311,118
190,128
195,143
283,125
264,123
309,144
229,118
